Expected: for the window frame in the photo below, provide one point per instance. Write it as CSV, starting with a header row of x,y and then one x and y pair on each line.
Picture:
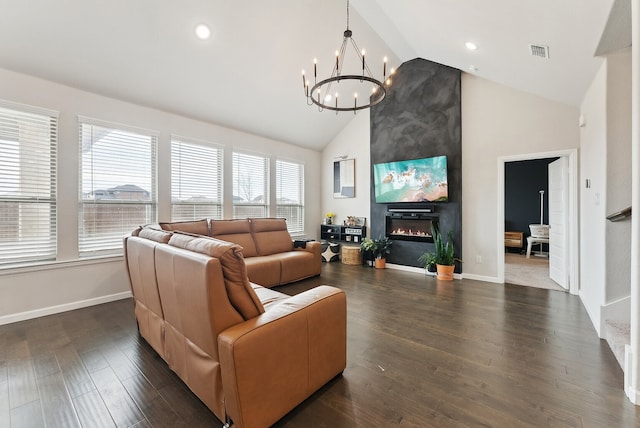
x,y
88,247
44,248
203,146
294,228
265,205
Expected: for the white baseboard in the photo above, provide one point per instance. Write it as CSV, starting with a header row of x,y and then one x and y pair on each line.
x,y
618,310
481,278
421,271
37,313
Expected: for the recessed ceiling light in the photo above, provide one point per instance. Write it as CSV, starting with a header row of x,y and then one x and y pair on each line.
x,y
203,32
471,46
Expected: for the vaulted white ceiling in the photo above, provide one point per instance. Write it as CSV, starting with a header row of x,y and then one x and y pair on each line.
x,y
247,75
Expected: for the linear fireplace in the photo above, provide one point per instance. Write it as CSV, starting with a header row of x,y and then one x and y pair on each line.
x,y
410,224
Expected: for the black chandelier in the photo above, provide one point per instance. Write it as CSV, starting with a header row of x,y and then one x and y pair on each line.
x,y
321,95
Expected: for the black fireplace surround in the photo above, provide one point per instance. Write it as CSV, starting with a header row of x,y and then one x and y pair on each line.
x,y
420,118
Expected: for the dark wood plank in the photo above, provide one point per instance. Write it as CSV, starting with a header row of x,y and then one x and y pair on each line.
x,y
74,372
28,415
92,412
157,411
121,407
57,407
22,383
188,407
5,407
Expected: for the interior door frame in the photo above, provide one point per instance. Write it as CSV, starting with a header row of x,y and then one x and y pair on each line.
x,y
573,226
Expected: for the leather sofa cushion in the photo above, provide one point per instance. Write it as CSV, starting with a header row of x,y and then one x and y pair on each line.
x,y
236,231
271,236
241,294
198,227
155,234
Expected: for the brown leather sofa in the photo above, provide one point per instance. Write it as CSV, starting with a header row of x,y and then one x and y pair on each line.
x,y
268,249
251,354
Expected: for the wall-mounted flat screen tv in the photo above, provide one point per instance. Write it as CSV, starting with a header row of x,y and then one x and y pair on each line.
x,y
417,180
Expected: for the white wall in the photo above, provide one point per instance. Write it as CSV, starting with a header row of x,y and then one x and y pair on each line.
x,y
353,142
498,121
593,162
64,285
618,234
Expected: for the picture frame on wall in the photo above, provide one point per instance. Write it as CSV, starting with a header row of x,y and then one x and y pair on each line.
x,y
344,178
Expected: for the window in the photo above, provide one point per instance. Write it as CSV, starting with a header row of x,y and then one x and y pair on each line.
x,y
117,185
196,181
250,185
290,195
28,140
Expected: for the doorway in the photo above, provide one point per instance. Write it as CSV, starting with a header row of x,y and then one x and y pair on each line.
x,y
530,203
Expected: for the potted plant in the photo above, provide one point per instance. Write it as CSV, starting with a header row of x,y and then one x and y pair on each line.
x,y
442,256
382,249
377,249
368,250
428,260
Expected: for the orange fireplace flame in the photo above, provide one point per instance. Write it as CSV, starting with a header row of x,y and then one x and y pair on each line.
x,y
411,232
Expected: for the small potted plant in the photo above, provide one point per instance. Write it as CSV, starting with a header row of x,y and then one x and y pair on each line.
x,y
382,249
368,248
428,260
442,256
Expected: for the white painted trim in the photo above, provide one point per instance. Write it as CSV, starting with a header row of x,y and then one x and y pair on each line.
x,y
592,317
413,269
37,313
421,271
631,392
574,190
483,278
618,310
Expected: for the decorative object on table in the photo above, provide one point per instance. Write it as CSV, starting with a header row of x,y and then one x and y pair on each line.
x,y
380,248
344,178
443,255
330,252
350,80
355,221
328,217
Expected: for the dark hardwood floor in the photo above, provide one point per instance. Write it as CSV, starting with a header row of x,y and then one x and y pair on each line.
x,y
421,353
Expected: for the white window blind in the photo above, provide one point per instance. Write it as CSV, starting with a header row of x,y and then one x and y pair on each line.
x,y
117,184
28,141
290,195
196,181
250,185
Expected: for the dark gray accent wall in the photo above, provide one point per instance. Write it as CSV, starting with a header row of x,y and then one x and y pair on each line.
x,y
420,118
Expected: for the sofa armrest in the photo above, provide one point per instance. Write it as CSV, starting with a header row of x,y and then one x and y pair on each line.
x,y
313,247
273,362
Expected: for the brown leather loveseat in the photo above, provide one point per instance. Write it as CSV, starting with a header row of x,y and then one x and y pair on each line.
x,y
268,249
251,354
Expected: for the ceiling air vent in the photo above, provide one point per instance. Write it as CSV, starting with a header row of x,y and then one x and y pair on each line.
x,y
539,50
